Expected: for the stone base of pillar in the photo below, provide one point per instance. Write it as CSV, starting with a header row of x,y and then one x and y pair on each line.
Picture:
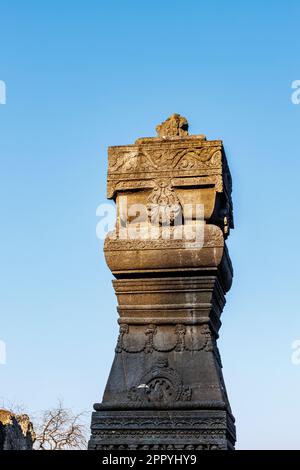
x,y
207,429
166,388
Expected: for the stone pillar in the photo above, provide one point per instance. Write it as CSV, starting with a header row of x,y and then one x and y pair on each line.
x,y
172,269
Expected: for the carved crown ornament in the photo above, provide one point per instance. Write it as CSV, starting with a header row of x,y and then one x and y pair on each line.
x,y
174,126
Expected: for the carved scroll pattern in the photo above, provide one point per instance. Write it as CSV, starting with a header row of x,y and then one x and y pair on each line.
x,y
142,160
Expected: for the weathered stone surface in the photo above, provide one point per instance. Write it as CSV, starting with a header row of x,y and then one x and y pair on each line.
x,y
194,429
193,168
16,431
166,388
174,126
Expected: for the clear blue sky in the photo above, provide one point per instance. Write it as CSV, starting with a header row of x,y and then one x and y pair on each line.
x,y
82,75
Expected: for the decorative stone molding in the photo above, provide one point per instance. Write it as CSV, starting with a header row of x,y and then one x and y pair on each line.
x,y
200,341
161,447
149,159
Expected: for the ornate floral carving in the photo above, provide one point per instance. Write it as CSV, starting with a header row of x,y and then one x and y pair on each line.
x,y
180,434
137,159
202,340
190,159
180,331
149,332
160,384
123,330
165,423
128,245
163,204
141,159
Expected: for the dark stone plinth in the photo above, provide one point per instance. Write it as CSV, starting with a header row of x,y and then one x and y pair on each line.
x,y
166,388
195,429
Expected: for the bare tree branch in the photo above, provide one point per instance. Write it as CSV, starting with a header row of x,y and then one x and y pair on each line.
x,y
60,429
